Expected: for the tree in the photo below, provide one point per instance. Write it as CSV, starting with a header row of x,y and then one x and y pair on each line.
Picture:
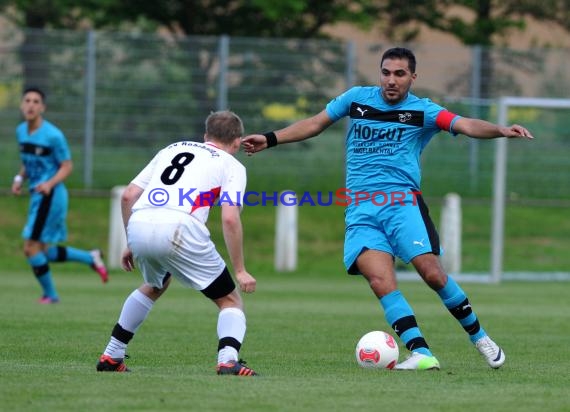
x,y
480,22
237,18
483,22
259,18
252,18
247,18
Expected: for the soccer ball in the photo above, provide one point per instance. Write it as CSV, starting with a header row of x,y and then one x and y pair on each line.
x,y
377,349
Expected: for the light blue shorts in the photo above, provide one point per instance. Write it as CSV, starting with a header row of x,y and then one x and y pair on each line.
x,y
47,216
402,230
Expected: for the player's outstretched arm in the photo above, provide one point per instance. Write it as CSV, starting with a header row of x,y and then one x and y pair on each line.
x,y
481,129
254,143
300,130
516,130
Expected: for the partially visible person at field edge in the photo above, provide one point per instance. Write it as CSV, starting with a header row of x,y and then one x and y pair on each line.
x,y
46,163
172,239
389,128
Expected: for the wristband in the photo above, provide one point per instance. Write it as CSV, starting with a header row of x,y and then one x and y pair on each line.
x,y
271,139
18,179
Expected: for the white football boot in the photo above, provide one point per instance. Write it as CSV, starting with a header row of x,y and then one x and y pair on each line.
x,y
418,362
492,353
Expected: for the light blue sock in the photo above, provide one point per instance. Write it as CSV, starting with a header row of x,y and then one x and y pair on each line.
x,y
399,313
40,266
456,301
69,254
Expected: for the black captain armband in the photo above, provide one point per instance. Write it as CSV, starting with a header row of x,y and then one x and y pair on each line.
x,y
271,139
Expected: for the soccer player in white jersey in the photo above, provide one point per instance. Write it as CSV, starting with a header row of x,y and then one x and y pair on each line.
x,y
165,209
389,128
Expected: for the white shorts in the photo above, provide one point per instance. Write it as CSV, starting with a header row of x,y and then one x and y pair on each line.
x,y
170,241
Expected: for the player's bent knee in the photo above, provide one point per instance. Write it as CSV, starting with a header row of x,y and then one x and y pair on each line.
x,y
232,300
32,248
154,292
380,286
435,279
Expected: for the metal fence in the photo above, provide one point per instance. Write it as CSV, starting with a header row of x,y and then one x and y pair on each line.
x,y
119,97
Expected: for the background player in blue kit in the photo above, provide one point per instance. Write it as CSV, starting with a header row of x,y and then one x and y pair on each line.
x,y
389,128
46,163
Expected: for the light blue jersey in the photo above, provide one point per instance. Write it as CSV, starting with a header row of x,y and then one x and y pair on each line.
x,y
384,142
42,153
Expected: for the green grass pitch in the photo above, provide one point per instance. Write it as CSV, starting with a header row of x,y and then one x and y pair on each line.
x,y
301,336
302,328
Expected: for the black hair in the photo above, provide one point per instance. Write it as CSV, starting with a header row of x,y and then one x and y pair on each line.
x,y
400,53
35,89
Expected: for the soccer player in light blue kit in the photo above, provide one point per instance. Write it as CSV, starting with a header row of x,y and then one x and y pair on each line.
x,y
386,215
46,163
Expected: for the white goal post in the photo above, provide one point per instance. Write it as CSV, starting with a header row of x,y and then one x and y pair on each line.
x,y
500,174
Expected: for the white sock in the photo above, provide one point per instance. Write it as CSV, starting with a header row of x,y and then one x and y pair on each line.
x,y
115,349
134,312
227,354
231,324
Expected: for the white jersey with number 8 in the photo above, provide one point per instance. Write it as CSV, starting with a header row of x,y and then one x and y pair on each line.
x,y
191,177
